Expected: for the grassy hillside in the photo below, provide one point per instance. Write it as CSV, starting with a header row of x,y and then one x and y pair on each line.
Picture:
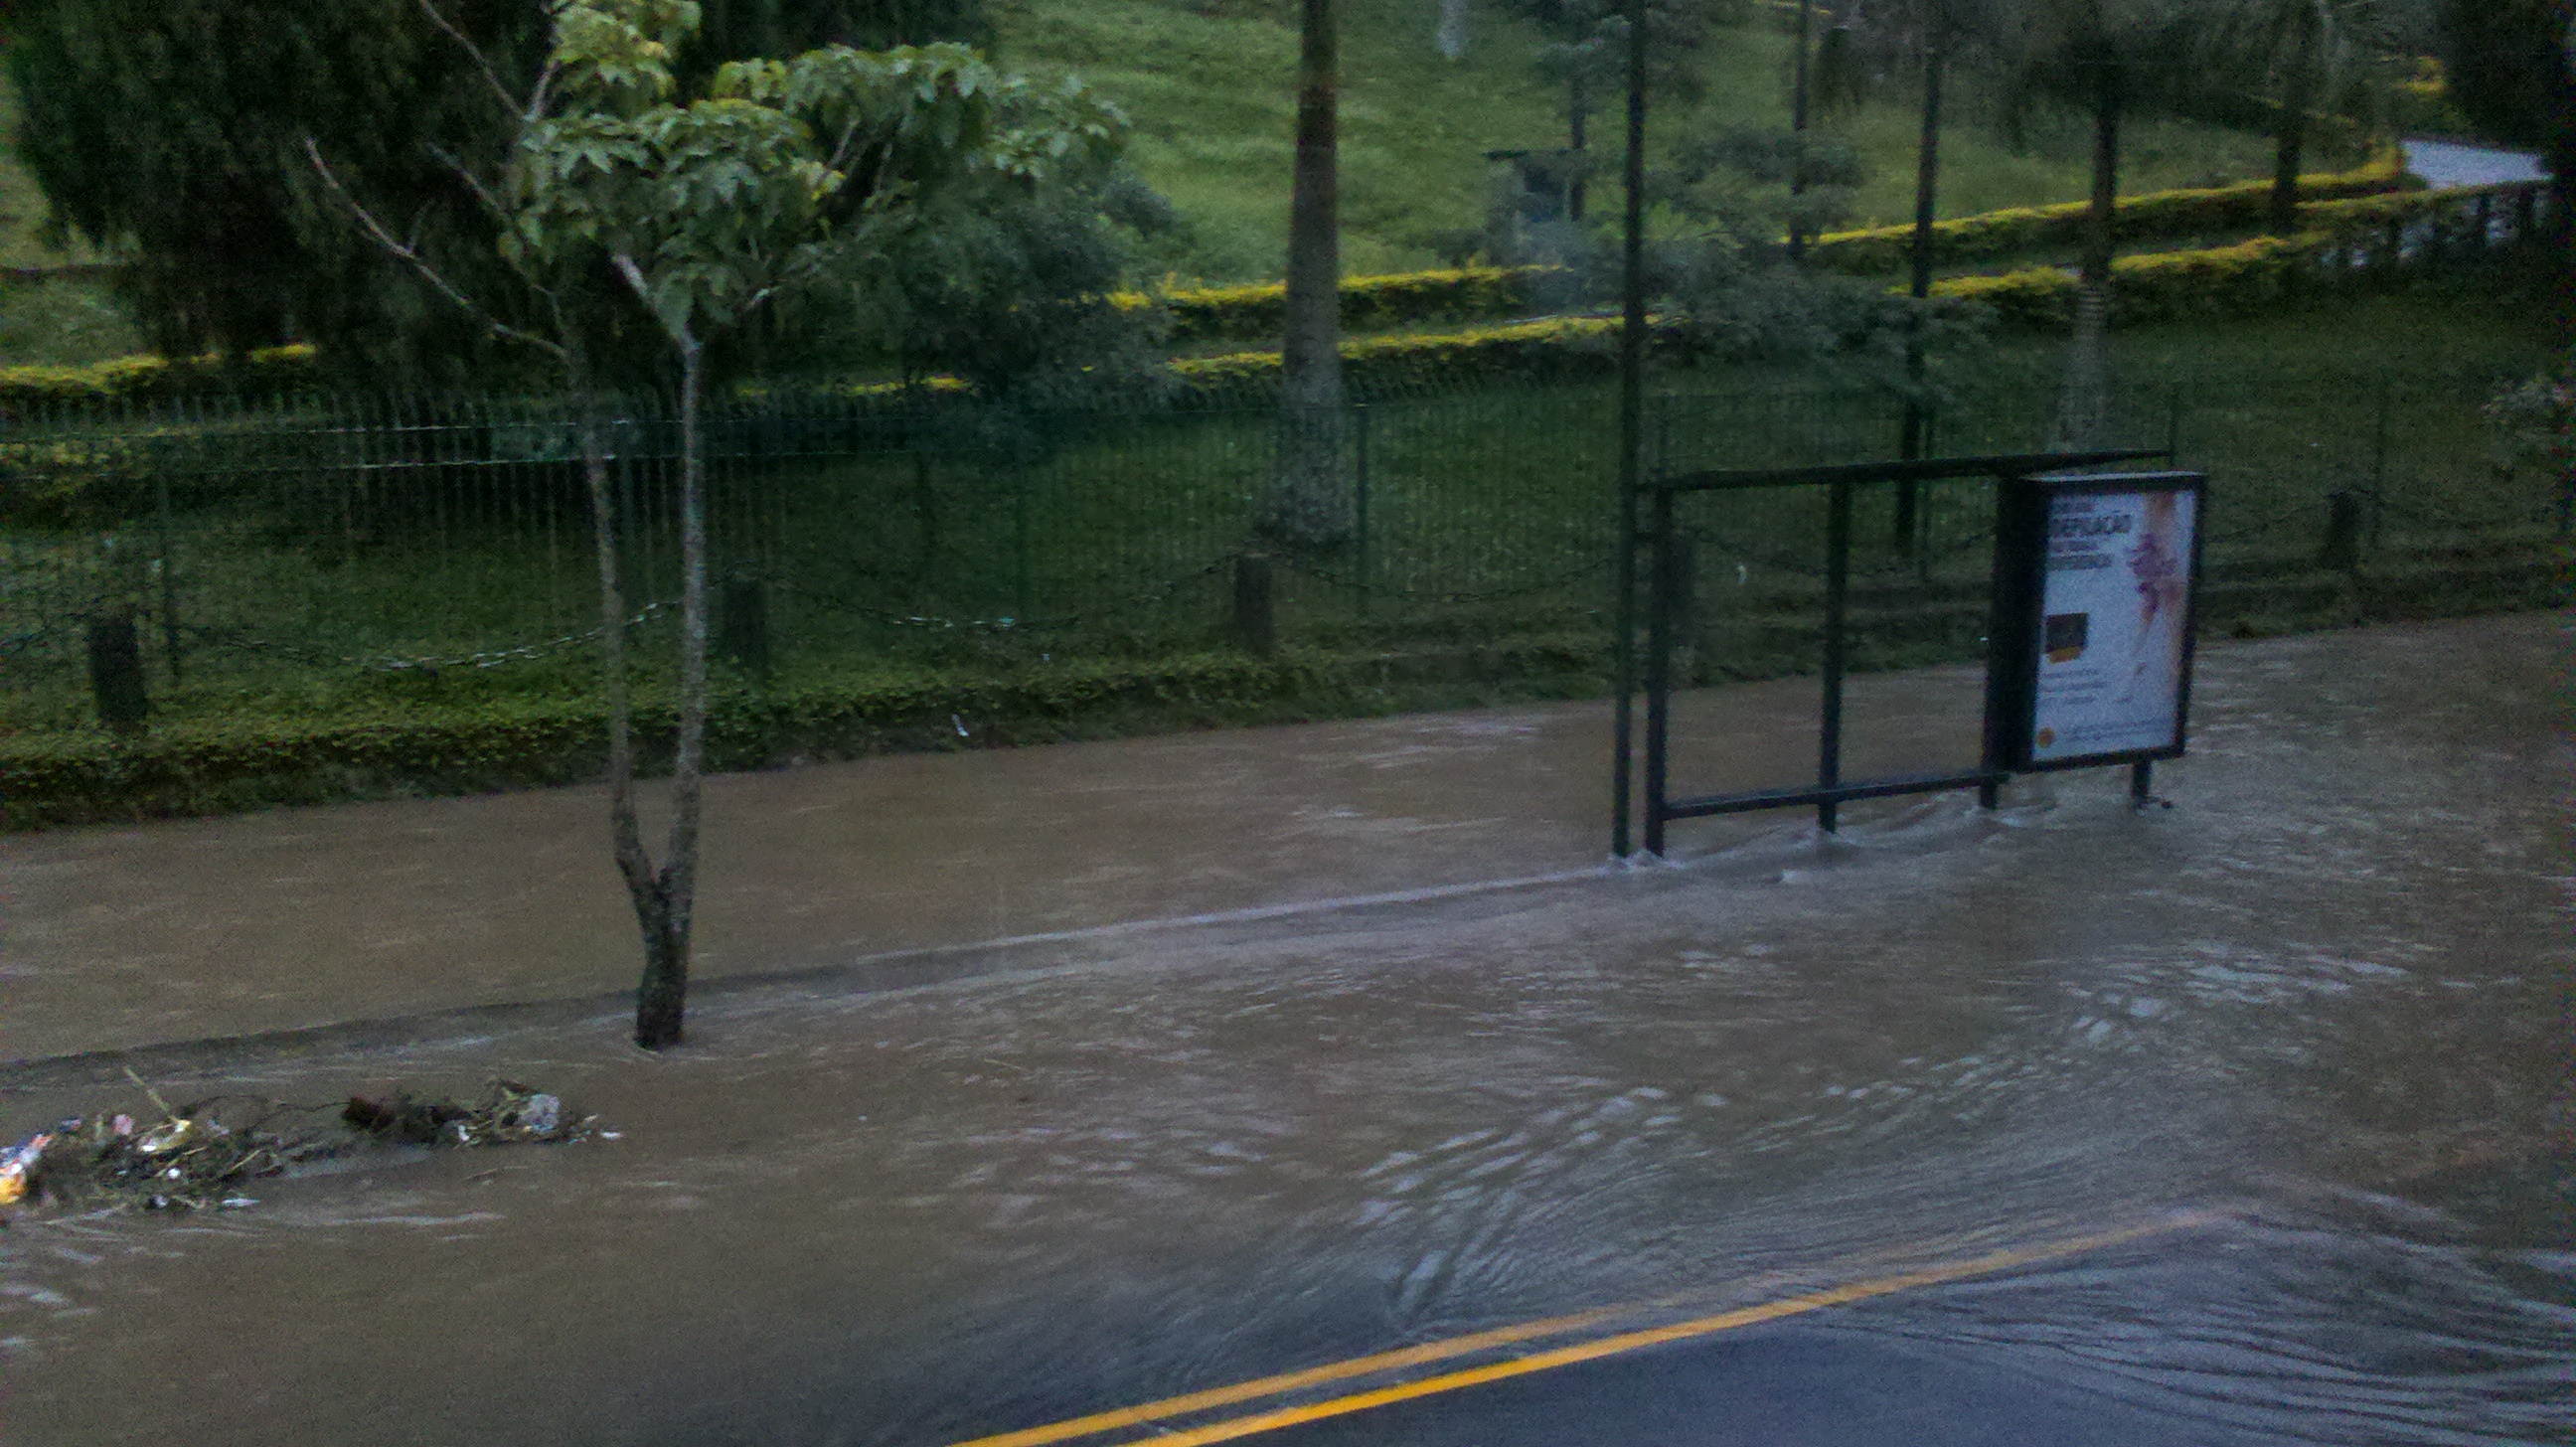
x,y
1210,84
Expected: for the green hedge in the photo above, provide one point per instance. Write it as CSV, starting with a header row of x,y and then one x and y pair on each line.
x,y
2157,215
252,761
149,378
1551,347
1369,303
2266,272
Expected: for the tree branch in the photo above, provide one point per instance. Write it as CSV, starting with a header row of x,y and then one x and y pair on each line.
x,y
643,290
544,91
483,63
409,254
473,183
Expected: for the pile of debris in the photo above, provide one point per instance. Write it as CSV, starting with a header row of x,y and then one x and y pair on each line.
x,y
204,1153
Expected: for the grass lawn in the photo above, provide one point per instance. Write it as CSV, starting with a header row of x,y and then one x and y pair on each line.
x,y
1487,516
1210,85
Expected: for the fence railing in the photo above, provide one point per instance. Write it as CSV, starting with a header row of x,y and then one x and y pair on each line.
x,y
260,548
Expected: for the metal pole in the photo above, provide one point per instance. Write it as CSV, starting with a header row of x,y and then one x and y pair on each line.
x,y
1020,544
1632,422
1927,172
2379,465
1360,508
169,585
2142,777
1829,755
1659,678
1798,127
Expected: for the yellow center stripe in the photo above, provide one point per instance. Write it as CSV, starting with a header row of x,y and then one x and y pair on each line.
x,y
1438,1351
1228,1430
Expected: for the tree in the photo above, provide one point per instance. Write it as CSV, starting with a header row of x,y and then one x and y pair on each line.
x,y
1587,42
2107,58
2511,69
704,210
170,133
2299,48
1312,507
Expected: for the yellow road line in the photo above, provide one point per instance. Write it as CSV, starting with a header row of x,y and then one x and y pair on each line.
x,y
1539,1362
1240,1392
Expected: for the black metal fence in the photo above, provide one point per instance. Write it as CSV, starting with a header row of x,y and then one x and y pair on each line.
x,y
267,551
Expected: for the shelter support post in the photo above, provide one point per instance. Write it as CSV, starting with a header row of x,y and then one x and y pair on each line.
x,y
1829,746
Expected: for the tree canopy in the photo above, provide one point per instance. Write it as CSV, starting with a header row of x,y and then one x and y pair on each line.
x,y
170,133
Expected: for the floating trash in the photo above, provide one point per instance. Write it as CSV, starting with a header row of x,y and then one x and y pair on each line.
x,y
508,1113
200,1155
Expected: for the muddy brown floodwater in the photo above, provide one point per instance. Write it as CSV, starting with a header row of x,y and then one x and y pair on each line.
x,y
2324,998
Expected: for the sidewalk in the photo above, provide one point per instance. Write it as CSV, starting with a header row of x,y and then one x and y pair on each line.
x,y
113,938
118,937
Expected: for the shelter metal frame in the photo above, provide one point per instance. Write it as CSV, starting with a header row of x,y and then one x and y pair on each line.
x,y
1666,591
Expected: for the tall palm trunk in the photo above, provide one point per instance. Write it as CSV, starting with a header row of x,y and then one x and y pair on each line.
x,y
1578,109
2298,89
1311,506
1927,177
1798,98
2084,407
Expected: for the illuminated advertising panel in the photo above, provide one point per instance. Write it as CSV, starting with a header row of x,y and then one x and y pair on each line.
x,y
2095,589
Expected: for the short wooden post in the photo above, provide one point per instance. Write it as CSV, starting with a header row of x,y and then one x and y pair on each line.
x,y
2341,552
1256,617
742,625
116,671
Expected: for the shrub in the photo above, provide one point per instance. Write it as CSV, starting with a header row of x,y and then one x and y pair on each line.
x,y
1369,303
1553,347
2156,215
273,369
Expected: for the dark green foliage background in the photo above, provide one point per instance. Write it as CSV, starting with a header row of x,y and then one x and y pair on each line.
x,y
172,132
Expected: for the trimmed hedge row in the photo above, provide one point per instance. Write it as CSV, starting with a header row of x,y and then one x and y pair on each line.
x,y
193,768
1369,303
1552,347
2157,215
2268,271
150,378
2363,200
2253,275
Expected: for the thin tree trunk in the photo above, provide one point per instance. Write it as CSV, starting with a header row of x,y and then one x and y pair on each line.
x,y
2084,409
1927,176
626,833
1798,128
661,1000
2290,135
1577,108
1313,507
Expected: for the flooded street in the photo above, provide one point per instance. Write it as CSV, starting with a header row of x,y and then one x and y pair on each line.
x,y
2307,1033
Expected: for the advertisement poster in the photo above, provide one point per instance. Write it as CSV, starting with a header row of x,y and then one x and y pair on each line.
x,y
2113,626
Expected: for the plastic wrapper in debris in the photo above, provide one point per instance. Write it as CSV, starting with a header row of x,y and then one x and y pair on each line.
x,y
17,1164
